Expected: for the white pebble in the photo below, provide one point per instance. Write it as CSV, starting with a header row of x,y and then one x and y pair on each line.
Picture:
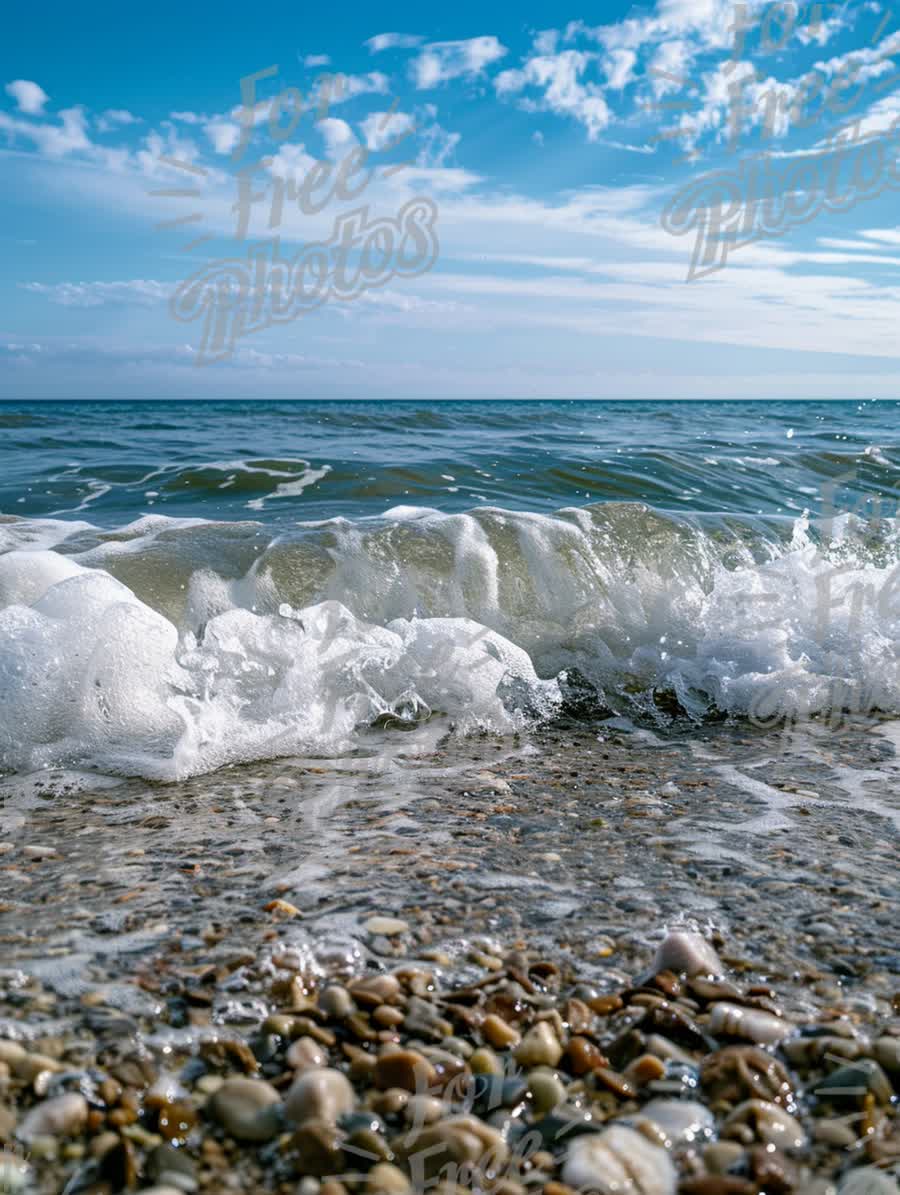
x,y
386,926
618,1161
687,952
63,1116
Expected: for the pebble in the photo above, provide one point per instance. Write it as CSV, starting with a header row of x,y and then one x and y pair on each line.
x,y
721,1156
172,1167
323,1094
385,926
305,1054
406,1069
867,1180
336,1002
887,1053
546,1090
733,1020
63,1116
485,1062
739,1073
386,1179
688,953
247,1109
498,1033
423,1109
683,1122
375,990
15,1173
539,1047
835,1133
11,1053
851,1084
758,1120
618,1161
456,1141
40,852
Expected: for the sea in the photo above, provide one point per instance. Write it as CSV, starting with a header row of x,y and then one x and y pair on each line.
x,y
191,586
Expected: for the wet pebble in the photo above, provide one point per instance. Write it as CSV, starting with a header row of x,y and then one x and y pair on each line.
x,y
867,1180
758,1120
683,1122
733,1020
385,926
618,1161
305,1054
688,953
247,1109
539,1047
63,1116
323,1094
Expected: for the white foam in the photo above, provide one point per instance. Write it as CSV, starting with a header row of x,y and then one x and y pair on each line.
x,y
339,623
93,677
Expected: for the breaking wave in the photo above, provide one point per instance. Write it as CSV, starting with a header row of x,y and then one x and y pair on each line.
x,y
172,647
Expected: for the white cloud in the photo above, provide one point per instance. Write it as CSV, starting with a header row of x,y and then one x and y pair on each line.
x,y
114,118
382,129
141,292
558,76
887,236
341,88
314,60
54,140
441,61
393,41
619,67
668,68
29,97
189,117
338,136
224,135
546,41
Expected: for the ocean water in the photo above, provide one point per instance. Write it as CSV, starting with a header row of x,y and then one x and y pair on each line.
x,y
185,586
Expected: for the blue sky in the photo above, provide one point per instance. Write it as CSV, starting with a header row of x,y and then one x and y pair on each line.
x,y
551,140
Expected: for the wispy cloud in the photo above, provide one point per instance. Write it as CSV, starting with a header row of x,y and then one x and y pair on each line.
x,y
393,41
441,61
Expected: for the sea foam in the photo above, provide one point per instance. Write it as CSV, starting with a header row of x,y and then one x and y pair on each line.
x,y
173,647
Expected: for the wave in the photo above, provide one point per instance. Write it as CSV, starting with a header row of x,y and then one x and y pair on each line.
x,y
171,647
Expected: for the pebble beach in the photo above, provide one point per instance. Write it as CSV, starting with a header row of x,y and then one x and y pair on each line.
x,y
573,961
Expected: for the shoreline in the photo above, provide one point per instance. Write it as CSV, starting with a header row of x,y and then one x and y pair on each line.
x,y
143,922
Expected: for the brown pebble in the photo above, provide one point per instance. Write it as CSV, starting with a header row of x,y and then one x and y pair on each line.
x,y
387,1017
583,1056
614,1082
604,1005
318,1146
717,1184
332,1186
644,1070
498,1033
378,989
390,1102
405,1069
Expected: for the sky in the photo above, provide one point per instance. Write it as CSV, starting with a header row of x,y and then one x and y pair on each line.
x,y
692,199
